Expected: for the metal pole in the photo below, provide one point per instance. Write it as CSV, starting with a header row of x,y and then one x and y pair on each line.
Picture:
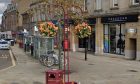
x,y
64,45
60,45
85,48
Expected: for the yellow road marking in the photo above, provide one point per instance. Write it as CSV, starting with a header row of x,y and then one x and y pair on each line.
x,y
4,56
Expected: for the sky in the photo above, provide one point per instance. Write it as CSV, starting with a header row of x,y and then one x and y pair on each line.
x,y
3,6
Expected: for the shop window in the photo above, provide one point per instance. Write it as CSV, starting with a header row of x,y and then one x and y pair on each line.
x,y
114,38
81,42
91,40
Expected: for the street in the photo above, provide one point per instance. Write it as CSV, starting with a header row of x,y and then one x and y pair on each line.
x,y
96,70
100,40
6,60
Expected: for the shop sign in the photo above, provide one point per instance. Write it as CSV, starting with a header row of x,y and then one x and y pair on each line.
x,y
91,21
120,19
131,30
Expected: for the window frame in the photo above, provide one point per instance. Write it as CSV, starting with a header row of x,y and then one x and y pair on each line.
x,y
107,35
134,2
85,5
114,3
98,4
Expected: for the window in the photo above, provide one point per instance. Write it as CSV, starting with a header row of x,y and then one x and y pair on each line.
x,y
85,4
115,3
98,4
135,2
114,38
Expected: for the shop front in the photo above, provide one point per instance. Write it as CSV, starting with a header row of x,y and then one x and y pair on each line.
x,y
114,32
91,38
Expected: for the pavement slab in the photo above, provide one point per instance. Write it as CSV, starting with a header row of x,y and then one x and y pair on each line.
x,y
96,70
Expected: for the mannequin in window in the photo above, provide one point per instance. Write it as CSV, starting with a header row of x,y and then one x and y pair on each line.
x,y
119,44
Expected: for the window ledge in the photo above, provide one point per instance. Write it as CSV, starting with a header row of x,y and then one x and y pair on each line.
x,y
114,8
98,10
133,6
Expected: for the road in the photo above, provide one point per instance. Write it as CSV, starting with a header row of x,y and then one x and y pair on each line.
x,y
6,60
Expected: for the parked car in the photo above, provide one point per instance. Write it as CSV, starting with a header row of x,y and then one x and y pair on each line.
x,y
10,41
4,45
2,40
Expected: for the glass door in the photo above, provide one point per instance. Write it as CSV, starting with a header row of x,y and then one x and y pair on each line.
x,y
112,29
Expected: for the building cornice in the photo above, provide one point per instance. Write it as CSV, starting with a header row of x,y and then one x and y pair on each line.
x,y
112,13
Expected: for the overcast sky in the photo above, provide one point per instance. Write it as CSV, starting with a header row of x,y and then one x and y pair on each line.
x,y
3,5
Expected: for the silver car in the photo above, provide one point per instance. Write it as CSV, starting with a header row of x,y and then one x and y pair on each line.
x,y
4,45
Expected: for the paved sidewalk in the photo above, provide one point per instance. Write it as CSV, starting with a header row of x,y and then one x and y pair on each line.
x,y
96,70
26,71
104,70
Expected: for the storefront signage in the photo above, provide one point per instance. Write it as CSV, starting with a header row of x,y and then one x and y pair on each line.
x,y
91,21
120,19
131,30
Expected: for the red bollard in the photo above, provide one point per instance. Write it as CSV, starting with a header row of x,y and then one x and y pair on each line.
x,y
54,77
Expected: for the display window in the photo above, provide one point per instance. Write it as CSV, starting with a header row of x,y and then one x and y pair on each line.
x,y
114,38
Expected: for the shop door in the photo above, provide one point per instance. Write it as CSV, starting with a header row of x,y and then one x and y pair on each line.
x,y
133,48
112,39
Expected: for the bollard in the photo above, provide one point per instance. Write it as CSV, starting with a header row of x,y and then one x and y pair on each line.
x,y
54,77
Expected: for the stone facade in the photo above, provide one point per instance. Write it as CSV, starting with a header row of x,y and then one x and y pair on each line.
x,y
121,7
22,7
10,19
104,8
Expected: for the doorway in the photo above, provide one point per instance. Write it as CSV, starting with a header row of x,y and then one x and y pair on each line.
x,y
133,48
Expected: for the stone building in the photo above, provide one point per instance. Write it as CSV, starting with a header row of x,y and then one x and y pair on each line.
x,y
22,7
116,27
39,11
30,13
10,19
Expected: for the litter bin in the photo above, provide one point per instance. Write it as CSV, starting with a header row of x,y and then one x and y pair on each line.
x,y
54,77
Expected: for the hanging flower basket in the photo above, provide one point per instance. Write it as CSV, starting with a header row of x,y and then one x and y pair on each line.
x,y
83,30
48,29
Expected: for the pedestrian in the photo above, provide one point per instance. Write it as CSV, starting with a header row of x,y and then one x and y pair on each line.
x,y
32,49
